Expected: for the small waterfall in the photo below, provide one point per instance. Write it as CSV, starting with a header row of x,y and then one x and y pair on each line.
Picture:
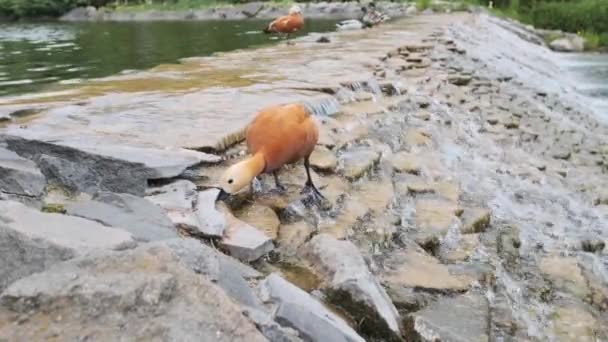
x,y
324,106
370,85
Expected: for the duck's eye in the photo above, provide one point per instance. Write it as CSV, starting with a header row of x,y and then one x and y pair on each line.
x,y
230,181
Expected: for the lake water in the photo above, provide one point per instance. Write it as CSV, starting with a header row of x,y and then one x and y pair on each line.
x,y
35,55
591,74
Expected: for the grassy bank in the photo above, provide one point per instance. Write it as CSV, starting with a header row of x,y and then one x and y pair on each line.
x,y
588,18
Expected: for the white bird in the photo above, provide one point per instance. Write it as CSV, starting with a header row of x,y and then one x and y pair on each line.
x,y
350,24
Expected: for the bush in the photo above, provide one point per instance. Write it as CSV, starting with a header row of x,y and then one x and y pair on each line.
x,y
421,5
586,15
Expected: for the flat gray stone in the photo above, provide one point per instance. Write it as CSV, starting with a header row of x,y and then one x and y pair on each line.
x,y
211,221
568,44
243,241
223,270
145,294
90,166
351,285
273,331
300,311
19,176
459,319
177,200
31,241
357,162
252,9
140,217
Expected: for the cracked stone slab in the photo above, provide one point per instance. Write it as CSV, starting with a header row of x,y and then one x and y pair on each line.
x,y
20,176
31,241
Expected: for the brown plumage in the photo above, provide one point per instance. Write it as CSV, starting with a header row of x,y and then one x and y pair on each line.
x,y
277,136
291,23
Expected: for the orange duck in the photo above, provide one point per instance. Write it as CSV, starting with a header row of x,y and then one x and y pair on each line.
x,y
288,24
278,135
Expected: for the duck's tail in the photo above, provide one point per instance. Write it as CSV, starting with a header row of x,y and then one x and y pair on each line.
x,y
267,30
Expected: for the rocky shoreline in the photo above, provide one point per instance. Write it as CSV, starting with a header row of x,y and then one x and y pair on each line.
x,y
252,10
465,182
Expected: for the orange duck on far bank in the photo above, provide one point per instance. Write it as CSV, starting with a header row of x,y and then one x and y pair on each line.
x,y
278,135
288,24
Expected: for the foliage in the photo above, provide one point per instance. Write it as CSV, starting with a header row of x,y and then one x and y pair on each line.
x,y
421,5
586,15
576,16
595,41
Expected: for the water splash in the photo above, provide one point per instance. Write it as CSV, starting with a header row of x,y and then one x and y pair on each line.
x,y
325,106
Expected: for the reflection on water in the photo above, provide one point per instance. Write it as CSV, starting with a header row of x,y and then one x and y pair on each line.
x,y
34,55
591,74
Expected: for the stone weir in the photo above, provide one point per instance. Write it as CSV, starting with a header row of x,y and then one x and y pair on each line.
x,y
464,185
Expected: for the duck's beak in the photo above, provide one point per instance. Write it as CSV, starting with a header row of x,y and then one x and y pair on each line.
x,y
223,195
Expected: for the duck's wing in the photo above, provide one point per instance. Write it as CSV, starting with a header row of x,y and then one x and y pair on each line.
x,y
276,24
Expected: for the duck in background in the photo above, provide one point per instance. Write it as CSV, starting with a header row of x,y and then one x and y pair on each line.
x,y
369,18
376,17
288,24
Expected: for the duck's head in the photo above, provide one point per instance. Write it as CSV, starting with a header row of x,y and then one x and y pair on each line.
x,y
364,9
295,9
372,5
239,175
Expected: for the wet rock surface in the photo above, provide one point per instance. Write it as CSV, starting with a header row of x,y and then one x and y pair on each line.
x,y
20,176
462,318
300,311
352,287
464,184
140,217
32,241
146,291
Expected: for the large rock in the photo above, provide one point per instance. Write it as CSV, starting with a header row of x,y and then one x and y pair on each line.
x,y
571,43
565,274
92,166
243,241
300,311
225,271
351,286
357,162
19,176
31,241
145,294
413,268
252,9
140,217
458,319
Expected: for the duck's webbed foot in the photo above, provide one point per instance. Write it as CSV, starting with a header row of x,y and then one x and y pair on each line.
x,y
309,186
280,188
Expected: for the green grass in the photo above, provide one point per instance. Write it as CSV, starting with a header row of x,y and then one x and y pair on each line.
x,y
595,41
421,5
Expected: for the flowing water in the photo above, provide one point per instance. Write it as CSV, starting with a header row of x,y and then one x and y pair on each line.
x,y
591,74
34,55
